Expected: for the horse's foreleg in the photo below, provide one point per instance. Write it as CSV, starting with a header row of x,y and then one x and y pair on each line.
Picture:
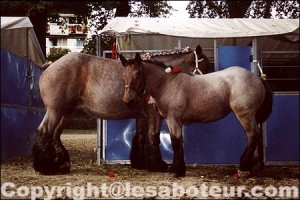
x,y
43,150
178,167
137,152
154,161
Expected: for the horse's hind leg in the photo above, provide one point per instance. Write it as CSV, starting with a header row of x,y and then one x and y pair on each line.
x,y
43,150
258,162
154,161
252,130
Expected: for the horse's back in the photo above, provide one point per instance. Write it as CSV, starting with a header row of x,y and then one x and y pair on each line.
x,y
224,90
92,84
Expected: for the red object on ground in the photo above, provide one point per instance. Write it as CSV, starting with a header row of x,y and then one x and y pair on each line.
x,y
111,174
236,176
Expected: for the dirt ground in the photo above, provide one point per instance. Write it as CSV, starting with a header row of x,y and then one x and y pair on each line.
x,y
19,180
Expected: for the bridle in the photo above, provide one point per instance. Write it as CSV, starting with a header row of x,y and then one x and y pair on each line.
x,y
139,90
197,64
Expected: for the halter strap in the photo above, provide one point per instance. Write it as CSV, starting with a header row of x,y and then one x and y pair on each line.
x,y
197,65
262,75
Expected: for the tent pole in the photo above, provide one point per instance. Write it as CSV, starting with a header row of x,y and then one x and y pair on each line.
x,y
179,43
254,54
216,59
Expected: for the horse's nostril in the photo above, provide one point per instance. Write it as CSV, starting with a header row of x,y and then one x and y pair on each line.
x,y
131,102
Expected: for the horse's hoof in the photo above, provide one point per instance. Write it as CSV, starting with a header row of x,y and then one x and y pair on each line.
x,y
243,174
137,161
161,167
257,169
64,168
45,169
138,165
177,171
176,175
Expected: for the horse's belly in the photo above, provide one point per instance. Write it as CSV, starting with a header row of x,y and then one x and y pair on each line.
x,y
207,115
108,107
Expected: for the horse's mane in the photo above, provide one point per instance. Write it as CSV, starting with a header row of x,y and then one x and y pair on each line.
x,y
158,63
149,55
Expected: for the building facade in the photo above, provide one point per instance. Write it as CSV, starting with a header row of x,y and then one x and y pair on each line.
x,y
68,32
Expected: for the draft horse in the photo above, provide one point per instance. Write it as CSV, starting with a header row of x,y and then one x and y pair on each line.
x,y
184,97
94,85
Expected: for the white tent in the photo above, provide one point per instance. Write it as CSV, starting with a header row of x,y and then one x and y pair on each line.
x,y
144,34
201,27
18,37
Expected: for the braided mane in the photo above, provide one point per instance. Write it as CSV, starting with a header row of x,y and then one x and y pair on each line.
x,y
147,56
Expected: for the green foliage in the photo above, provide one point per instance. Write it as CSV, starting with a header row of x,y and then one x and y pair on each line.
x,y
42,12
90,46
56,53
150,8
244,9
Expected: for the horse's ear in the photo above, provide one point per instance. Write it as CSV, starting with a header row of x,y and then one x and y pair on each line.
x,y
199,50
138,58
123,60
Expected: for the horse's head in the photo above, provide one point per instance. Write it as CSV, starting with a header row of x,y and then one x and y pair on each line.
x,y
134,80
203,62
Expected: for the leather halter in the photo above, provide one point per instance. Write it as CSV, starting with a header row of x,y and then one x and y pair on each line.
x,y
197,64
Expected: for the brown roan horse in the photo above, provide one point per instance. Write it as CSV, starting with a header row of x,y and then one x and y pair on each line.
x,y
94,85
184,97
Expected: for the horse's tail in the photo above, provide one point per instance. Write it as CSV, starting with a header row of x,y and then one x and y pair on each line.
x,y
265,109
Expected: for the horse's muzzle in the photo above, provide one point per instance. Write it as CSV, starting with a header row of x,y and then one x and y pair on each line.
x,y
131,103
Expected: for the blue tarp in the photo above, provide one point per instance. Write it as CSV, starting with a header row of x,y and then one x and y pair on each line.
x,y
21,106
283,129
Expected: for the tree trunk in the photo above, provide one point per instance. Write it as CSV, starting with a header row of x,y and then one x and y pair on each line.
x,y
237,9
39,23
123,8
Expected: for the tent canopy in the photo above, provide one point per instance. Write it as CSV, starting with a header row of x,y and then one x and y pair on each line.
x,y
18,37
201,27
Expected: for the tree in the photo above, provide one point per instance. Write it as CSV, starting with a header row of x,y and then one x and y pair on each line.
x,y
243,9
90,46
150,8
40,11
56,53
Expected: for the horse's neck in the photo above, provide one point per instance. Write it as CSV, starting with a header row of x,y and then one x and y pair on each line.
x,y
155,79
183,60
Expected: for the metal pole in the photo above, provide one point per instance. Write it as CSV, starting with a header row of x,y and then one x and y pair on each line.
x,y
254,56
216,59
179,43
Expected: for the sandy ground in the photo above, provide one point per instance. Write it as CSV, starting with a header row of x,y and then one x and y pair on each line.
x,y
86,180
